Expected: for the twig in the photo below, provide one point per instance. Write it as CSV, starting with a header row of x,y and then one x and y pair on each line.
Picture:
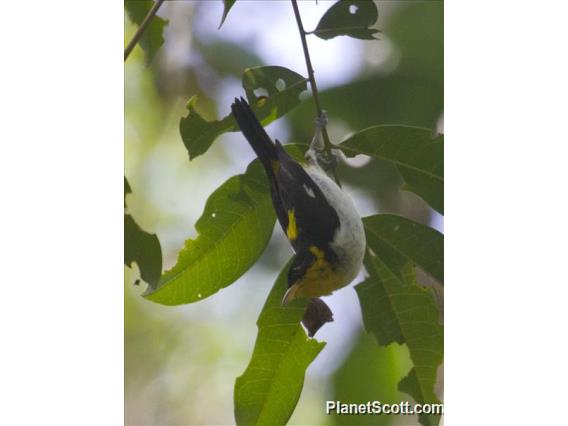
x,y
142,28
327,143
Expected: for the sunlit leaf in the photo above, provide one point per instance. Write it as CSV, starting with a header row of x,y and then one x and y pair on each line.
x,y
349,18
271,91
153,37
398,310
141,247
227,4
418,155
409,240
233,231
269,389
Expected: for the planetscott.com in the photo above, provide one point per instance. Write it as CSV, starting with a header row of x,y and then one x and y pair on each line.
x,y
377,407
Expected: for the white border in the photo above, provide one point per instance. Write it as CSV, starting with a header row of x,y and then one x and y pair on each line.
x,y
506,212
61,167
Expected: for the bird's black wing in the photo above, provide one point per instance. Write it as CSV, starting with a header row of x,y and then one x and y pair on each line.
x,y
302,210
303,201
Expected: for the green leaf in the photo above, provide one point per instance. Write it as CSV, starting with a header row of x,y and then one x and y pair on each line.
x,y
153,37
418,156
369,373
395,239
398,310
270,387
144,249
349,18
127,190
197,133
234,229
412,386
227,4
141,247
271,91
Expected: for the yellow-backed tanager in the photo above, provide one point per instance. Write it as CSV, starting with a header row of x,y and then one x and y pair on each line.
x,y
317,216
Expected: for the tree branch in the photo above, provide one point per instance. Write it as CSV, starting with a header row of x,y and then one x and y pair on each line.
x,y
327,143
142,28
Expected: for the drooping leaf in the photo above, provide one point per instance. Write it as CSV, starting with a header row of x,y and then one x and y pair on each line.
x,y
153,37
412,386
271,91
396,239
197,133
431,190
270,387
349,18
418,156
398,310
227,4
234,229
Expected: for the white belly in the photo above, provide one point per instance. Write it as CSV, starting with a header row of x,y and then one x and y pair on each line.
x,y
349,239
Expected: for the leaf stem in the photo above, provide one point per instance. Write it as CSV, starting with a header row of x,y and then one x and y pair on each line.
x,y
327,143
151,13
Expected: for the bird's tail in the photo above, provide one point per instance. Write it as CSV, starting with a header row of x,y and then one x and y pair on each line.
x,y
255,134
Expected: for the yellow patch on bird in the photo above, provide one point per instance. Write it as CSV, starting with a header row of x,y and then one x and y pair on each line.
x,y
292,230
317,252
275,166
320,278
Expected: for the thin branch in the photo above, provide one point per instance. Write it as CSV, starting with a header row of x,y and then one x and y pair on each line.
x,y
142,28
327,143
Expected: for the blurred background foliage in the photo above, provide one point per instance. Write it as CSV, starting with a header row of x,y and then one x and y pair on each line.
x,y
181,362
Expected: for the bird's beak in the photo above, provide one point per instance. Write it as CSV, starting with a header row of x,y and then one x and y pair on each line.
x,y
290,294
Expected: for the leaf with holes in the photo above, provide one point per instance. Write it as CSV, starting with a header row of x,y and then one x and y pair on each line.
x,y
227,4
141,247
398,310
269,389
234,229
349,18
417,154
153,36
144,249
271,91
398,240
197,133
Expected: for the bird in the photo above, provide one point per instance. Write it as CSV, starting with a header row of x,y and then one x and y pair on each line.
x,y
318,218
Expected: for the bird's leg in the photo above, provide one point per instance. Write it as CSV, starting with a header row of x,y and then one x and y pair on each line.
x,y
316,154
